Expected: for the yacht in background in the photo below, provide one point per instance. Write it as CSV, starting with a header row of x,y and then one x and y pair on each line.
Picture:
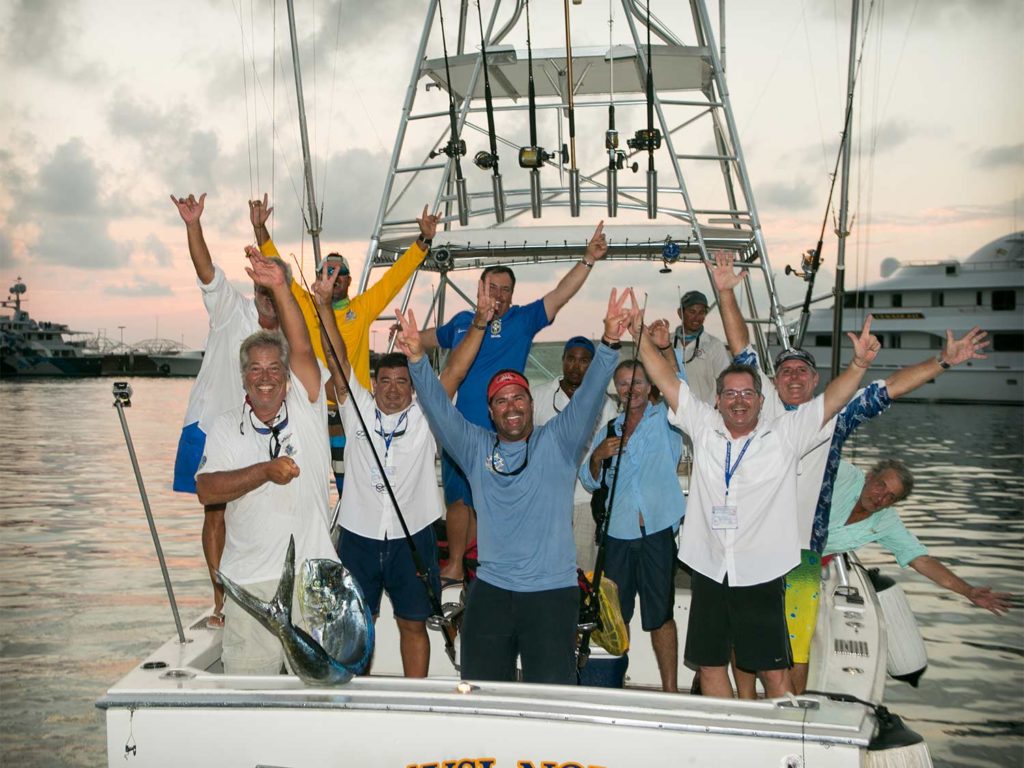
x,y
916,302
32,348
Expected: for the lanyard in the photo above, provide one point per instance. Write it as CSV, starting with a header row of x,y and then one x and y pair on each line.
x,y
387,438
730,469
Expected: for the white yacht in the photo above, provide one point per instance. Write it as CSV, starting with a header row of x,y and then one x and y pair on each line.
x,y
916,302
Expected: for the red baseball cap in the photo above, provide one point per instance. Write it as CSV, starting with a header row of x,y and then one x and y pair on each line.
x,y
503,379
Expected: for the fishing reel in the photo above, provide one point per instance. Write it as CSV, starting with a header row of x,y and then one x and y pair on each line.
x,y
454,148
485,161
442,257
645,139
535,157
806,270
670,253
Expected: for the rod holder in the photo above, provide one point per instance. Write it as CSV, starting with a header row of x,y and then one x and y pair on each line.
x,y
574,192
535,193
613,191
460,191
652,194
499,197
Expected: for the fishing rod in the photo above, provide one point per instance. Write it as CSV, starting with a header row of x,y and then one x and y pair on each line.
x,y
456,147
533,156
649,138
811,260
616,156
485,160
574,172
438,619
590,613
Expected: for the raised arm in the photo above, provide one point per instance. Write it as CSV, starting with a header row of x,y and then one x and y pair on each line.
x,y
330,336
661,336
462,357
736,334
222,487
957,351
662,374
573,280
844,386
983,597
269,273
259,212
191,210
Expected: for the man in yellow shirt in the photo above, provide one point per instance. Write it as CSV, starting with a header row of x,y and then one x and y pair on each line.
x,y
354,315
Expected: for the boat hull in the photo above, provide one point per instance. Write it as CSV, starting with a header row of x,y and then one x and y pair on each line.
x,y
40,365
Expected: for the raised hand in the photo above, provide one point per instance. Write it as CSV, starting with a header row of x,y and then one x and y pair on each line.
x,y
865,345
428,224
408,340
265,272
967,348
723,275
660,335
323,286
189,208
485,305
259,211
618,317
996,602
597,248
282,470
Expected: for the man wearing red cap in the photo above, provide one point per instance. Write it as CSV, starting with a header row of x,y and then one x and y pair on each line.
x,y
525,600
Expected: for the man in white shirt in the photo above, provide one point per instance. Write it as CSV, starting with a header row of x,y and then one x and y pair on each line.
x,y
550,399
704,355
268,460
740,536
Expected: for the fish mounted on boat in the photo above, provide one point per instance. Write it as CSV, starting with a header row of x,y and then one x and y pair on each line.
x,y
341,637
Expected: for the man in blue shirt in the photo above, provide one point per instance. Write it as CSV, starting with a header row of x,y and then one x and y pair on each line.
x,y
640,550
507,341
525,600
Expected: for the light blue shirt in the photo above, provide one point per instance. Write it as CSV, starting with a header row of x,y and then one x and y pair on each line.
x,y
884,526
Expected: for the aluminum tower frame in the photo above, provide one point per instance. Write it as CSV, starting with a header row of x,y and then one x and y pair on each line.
x,y
690,96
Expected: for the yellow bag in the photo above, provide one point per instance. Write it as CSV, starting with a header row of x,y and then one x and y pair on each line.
x,y
612,635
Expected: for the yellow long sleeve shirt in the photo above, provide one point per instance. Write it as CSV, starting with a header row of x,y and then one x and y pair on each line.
x,y
354,319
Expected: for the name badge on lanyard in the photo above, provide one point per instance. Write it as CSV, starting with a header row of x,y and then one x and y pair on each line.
x,y
725,516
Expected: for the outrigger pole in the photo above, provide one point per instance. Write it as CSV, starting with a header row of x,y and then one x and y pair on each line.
x,y
490,159
456,147
649,138
574,172
314,215
438,620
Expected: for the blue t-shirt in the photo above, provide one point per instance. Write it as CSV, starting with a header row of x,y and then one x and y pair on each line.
x,y
507,348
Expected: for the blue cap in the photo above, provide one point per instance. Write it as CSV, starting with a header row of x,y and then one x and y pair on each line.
x,y
580,341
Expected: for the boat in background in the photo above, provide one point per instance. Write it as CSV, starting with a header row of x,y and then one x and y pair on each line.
x,y
32,348
916,302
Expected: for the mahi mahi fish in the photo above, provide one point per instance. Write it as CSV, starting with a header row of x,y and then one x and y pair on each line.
x,y
340,641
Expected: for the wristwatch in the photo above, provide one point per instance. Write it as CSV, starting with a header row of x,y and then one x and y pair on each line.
x,y
945,366
611,344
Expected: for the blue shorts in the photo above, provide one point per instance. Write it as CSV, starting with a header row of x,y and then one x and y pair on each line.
x,y
386,566
644,566
190,452
456,485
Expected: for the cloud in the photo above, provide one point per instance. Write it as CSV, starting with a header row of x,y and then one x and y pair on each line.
x,y
887,136
65,204
37,32
791,195
154,246
1000,157
138,287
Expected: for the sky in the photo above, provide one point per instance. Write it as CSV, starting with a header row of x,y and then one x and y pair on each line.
x,y
108,108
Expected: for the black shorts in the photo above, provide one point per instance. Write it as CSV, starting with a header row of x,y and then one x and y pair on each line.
x,y
538,627
646,566
751,620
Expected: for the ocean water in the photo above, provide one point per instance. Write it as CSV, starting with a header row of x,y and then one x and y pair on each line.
x,y
82,599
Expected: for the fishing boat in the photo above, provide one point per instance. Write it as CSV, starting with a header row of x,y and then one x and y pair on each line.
x,y
916,302
40,348
525,209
